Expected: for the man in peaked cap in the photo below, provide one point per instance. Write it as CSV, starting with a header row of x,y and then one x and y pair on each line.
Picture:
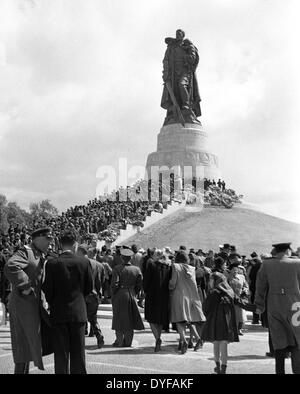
x,y
27,315
125,286
281,277
42,232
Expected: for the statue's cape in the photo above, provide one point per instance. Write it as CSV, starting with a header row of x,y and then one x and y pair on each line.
x,y
166,101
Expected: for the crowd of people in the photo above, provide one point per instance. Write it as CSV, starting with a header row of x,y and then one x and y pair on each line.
x,y
185,289
103,217
221,184
89,221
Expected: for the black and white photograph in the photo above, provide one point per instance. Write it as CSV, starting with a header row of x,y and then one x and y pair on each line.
x,y
149,190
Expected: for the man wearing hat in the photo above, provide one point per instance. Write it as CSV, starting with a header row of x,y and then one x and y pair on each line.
x,y
280,276
125,285
232,249
225,252
68,281
27,315
117,258
200,257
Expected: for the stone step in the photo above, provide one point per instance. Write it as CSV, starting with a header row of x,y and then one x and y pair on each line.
x,y
150,220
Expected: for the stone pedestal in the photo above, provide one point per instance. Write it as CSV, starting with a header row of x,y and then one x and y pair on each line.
x,y
184,150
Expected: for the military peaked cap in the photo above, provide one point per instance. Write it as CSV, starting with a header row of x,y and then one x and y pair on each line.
x,y
282,246
42,231
126,252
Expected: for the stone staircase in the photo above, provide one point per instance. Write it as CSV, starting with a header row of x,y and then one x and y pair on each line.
x,y
154,218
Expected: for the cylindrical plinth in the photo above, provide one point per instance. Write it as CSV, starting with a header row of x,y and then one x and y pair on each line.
x,y
185,147
174,137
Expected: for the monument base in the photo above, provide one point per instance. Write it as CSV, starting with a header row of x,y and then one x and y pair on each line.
x,y
183,151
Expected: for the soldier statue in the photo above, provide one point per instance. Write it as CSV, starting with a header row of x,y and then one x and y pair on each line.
x,y
180,96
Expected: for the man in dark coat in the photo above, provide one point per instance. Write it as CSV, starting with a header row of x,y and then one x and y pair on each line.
x,y
68,281
125,285
279,278
117,258
224,253
93,299
27,315
255,266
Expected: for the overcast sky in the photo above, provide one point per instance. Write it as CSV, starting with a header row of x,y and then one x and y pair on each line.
x,y
80,86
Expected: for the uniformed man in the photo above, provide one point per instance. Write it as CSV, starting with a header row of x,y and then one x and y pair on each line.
x,y
25,271
280,278
93,299
125,285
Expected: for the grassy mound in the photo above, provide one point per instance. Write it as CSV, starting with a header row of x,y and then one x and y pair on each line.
x,y
245,228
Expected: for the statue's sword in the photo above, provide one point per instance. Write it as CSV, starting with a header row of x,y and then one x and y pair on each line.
x,y
174,101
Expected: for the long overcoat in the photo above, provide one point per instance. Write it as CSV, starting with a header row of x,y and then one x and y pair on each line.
x,y
185,302
156,287
24,270
219,309
278,280
125,285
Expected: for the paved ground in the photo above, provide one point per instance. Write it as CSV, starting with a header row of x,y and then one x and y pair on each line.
x,y
246,357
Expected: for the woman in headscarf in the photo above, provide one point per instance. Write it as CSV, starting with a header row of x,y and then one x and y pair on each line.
x,y
186,307
156,287
220,327
240,288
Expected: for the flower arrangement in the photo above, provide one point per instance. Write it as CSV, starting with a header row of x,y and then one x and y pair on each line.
x,y
215,197
108,235
137,223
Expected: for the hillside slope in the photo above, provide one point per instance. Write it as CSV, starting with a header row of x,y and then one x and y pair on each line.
x,y
248,229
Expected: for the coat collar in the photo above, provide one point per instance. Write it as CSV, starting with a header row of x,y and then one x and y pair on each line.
x,y
67,253
37,253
